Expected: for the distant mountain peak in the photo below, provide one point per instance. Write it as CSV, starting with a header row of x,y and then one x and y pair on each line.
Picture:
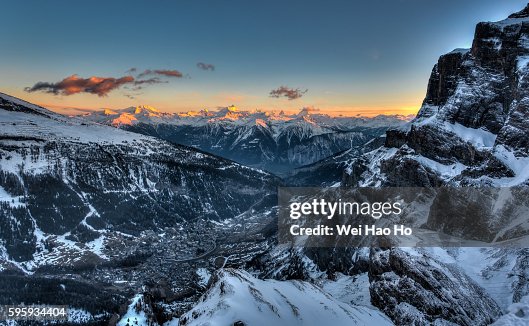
x,y
124,119
146,108
233,115
233,108
307,111
109,112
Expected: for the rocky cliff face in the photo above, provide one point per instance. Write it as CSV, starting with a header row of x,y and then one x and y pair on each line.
x,y
470,131
413,287
473,121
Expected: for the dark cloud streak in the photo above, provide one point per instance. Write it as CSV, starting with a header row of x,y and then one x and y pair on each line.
x,y
288,92
149,81
206,66
141,83
161,72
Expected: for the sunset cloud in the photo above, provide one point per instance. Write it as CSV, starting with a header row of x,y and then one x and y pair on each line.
x,y
162,72
206,66
289,93
74,84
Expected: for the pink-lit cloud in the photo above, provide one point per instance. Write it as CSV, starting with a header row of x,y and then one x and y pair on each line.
x,y
102,86
74,84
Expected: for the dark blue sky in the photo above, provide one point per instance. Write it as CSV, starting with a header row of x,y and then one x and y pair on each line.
x,y
350,55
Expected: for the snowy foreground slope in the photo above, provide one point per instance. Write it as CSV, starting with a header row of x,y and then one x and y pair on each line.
x,y
236,296
71,186
518,314
274,141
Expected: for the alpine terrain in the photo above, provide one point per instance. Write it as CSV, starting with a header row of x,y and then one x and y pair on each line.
x,y
276,142
171,219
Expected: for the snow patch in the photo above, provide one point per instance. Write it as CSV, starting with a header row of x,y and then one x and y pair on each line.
x,y
203,275
519,165
446,171
518,314
79,316
479,138
134,316
510,21
521,62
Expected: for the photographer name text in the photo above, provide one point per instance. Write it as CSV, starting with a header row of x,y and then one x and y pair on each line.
x,y
349,230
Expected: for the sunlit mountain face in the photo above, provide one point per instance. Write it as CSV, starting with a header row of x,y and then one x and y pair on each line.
x,y
272,141
146,113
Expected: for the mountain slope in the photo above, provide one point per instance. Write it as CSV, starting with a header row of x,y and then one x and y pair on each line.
x,y
65,181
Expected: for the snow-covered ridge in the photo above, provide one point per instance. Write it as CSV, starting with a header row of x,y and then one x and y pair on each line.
x,y
236,296
510,21
517,18
233,116
16,121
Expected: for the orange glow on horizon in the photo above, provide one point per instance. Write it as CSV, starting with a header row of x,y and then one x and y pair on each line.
x,y
367,112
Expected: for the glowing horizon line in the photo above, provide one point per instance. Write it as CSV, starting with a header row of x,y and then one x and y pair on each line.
x,y
356,111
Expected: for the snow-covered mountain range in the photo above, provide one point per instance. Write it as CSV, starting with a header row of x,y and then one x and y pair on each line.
x,y
276,142
99,216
